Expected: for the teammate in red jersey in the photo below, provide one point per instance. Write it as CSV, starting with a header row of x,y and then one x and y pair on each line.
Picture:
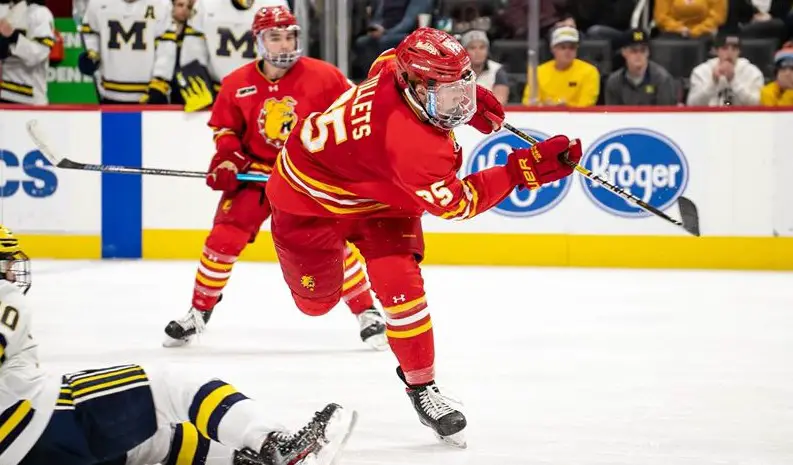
x,y
368,167
258,105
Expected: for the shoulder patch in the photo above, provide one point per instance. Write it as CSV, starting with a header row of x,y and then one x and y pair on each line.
x,y
246,91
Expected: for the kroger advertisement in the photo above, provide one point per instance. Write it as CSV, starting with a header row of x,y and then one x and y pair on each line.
x,y
732,165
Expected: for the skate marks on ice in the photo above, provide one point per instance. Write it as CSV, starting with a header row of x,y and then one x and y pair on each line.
x,y
634,368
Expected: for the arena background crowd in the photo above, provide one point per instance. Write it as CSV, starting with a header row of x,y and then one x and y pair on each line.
x,y
587,52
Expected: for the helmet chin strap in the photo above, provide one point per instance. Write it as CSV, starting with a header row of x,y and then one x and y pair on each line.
x,y
417,107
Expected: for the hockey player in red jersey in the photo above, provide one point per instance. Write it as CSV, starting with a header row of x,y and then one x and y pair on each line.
x,y
368,167
257,106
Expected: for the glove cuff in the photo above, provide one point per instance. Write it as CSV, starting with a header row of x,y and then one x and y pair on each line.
x,y
236,157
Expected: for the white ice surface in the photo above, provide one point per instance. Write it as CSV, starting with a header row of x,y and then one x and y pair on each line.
x,y
554,366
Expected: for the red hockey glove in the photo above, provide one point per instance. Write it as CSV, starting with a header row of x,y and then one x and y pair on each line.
x,y
223,170
489,112
541,164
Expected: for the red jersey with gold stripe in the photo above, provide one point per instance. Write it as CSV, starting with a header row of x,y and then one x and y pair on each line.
x,y
370,154
255,115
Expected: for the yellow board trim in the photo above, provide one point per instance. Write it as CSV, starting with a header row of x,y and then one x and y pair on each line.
x,y
737,253
42,246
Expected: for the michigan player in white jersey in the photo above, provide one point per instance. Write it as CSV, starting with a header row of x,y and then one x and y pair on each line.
x,y
26,37
218,38
121,41
131,415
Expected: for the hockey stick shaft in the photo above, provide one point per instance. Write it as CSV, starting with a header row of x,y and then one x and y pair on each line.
x,y
36,134
118,169
615,189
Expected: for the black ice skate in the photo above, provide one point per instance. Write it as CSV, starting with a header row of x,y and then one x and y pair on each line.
x,y
180,332
436,412
319,442
373,328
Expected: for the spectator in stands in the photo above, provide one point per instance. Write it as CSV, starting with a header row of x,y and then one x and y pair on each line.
x,y
758,18
392,21
472,14
602,19
513,23
640,82
789,23
565,80
489,74
690,18
780,92
726,79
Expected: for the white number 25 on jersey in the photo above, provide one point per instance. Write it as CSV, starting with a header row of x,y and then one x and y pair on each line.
x,y
438,191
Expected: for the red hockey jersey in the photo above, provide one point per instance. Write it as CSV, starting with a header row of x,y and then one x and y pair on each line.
x,y
255,115
370,154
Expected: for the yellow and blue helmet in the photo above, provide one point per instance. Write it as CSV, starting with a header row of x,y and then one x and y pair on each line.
x,y
14,263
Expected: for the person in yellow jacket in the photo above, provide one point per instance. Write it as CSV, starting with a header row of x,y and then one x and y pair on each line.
x,y
779,93
690,18
565,80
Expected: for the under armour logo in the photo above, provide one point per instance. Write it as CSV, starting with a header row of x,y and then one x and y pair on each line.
x,y
273,88
399,299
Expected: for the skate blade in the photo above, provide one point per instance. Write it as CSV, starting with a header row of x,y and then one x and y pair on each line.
x,y
337,433
456,440
378,342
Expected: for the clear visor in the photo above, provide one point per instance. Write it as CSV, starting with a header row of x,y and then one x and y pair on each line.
x,y
16,269
279,46
452,104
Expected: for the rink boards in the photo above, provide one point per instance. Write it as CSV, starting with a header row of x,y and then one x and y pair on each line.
x,y
735,165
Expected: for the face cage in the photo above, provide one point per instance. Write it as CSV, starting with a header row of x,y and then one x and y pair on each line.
x,y
17,265
438,97
281,60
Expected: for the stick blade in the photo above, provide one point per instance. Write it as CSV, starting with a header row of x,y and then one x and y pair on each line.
x,y
689,215
36,133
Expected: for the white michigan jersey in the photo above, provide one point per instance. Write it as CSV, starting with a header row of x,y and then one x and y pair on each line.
x,y
219,36
28,395
24,72
125,35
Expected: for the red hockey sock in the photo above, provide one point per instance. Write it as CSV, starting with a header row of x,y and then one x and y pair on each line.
x,y
221,249
398,284
355,290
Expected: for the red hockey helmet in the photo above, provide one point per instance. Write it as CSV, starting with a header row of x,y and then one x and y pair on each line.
x,y
272,18
437,62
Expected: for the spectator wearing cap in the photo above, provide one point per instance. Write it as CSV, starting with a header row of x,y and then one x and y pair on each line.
x,y
489,74
565,80
690,18
779,93
726,79
641,81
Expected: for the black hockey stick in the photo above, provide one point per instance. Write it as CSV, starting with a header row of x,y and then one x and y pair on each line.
x,y
36,133
688,211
